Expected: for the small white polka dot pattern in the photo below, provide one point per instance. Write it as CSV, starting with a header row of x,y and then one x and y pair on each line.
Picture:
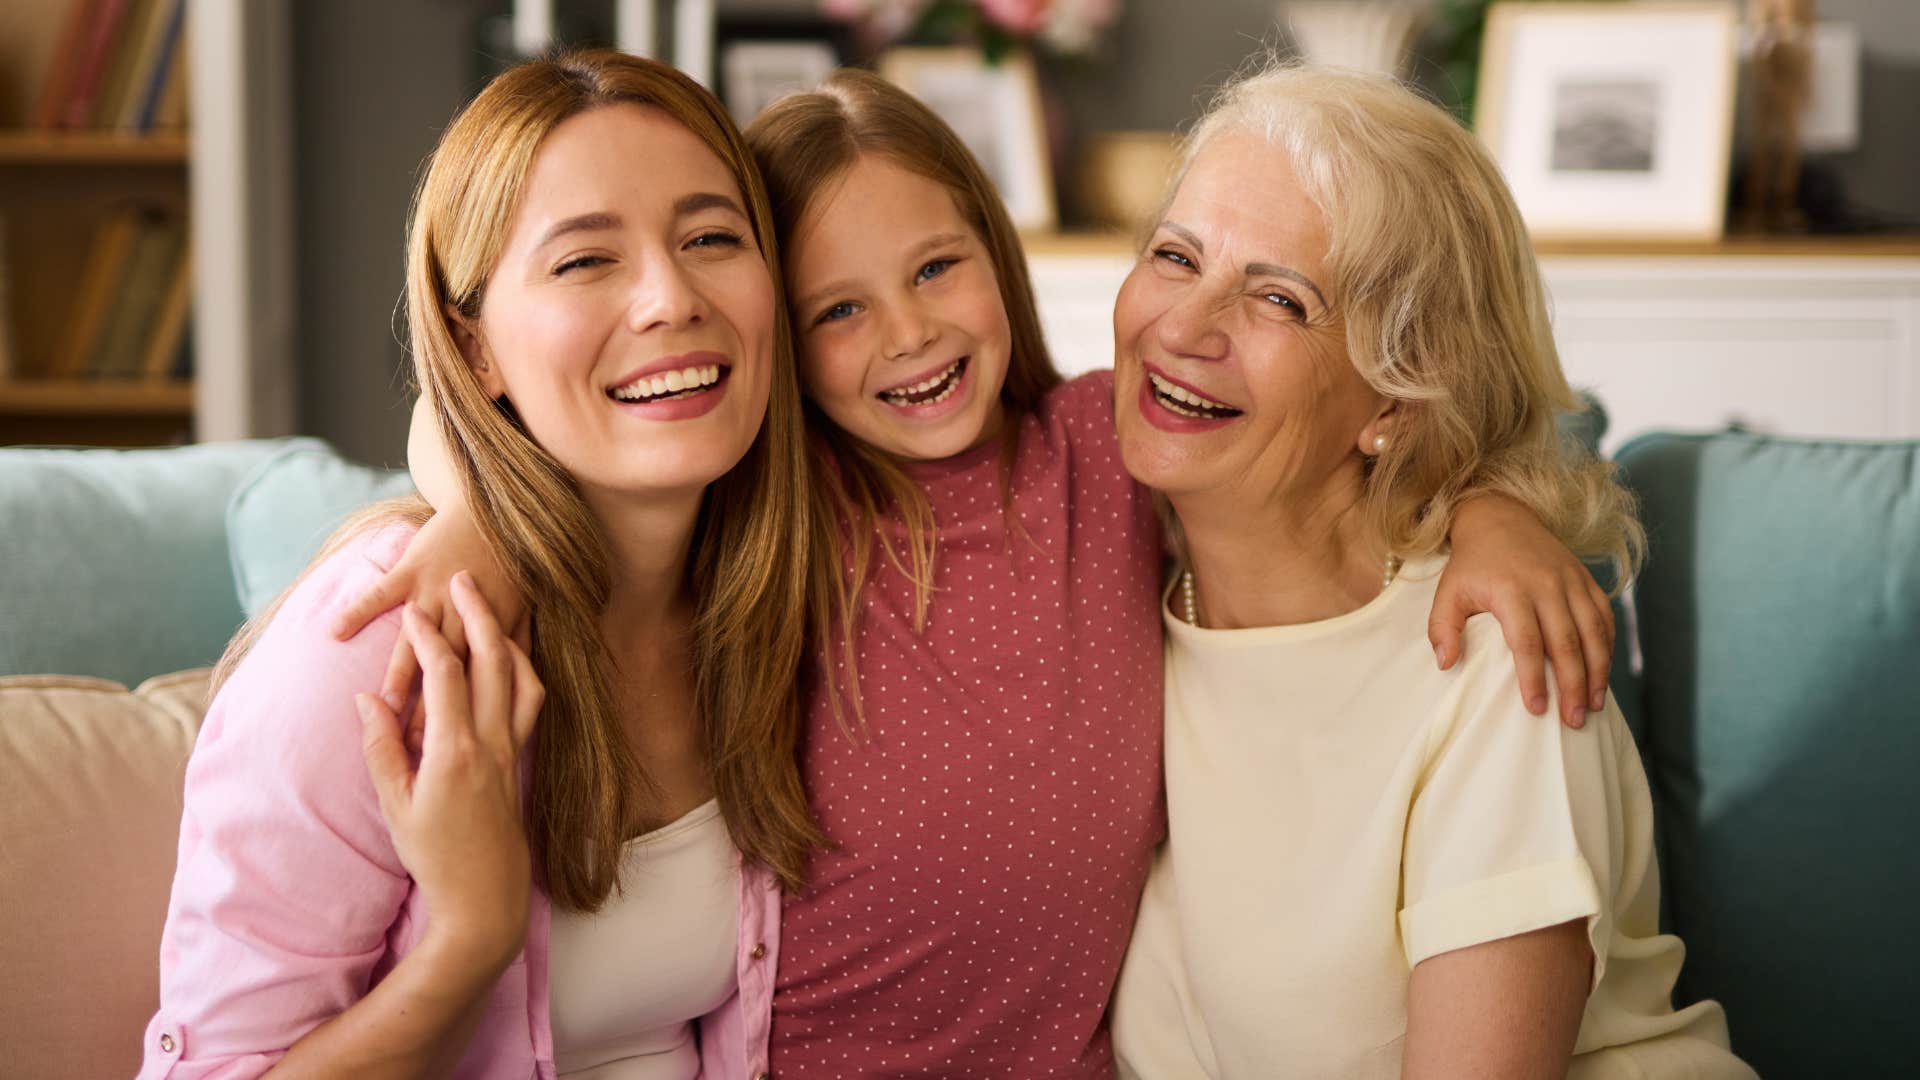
x,y
995,821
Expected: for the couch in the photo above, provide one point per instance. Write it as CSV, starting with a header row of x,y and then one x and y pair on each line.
x,y
1771,672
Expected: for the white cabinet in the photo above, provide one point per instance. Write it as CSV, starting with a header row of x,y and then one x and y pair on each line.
x,y
1794,339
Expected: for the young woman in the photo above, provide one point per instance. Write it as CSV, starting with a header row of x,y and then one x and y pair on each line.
x,y
1374,868
983,743
607,360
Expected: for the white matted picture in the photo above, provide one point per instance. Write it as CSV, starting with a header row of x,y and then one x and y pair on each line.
x,y
995,109
1612,120
755,74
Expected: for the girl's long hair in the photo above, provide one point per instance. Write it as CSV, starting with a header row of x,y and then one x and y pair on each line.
x,y
755,546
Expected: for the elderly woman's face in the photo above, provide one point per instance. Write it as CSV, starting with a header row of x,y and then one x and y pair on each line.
x,y
1230,369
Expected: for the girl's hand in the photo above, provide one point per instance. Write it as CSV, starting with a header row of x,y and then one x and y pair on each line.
x,y
1506,562
455,818
449,543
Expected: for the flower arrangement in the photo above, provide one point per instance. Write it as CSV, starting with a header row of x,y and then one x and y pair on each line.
x,y
1061,27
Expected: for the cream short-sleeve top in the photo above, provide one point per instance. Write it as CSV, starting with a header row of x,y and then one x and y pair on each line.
x,y
1340,810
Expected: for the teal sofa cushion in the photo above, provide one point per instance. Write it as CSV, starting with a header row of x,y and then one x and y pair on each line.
x,y
1779,621
286,508
115,561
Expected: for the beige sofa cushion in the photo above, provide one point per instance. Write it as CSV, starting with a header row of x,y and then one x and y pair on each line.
x,y
90,781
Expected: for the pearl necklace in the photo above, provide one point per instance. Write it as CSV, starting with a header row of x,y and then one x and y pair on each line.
x,y
1190,607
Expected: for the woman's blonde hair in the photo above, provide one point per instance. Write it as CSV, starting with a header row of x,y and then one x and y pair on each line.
x,y
1435,281
753,545
804,144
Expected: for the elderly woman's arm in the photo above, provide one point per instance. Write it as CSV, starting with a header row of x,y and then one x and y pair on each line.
x,y
1549,607
1503,1009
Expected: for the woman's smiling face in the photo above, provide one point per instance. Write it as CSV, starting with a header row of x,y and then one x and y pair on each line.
x,y
1231,371
904,340
629,319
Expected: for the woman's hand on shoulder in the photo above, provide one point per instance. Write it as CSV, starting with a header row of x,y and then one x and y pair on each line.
x,y
448,544
1549,607
456,816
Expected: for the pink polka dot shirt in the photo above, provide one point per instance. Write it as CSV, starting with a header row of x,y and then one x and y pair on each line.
x,y
996,818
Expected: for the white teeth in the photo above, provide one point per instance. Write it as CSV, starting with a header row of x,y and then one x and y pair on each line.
x,y
1182,394
902,395
671,382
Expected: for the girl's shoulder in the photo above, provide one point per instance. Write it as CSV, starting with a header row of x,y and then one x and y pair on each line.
x,y
1084,398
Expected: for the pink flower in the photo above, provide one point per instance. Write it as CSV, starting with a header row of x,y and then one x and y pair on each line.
x,y
1022,17
880,21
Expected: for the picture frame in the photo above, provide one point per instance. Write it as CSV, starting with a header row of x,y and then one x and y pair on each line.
x,y
996,110
1612,121
761,59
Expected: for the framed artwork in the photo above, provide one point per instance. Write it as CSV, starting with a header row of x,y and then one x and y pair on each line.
x,y
1612,120
761,59
996,111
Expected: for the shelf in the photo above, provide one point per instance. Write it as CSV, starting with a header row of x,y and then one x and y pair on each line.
x,y
80,397
59,148
1803,247
1869,245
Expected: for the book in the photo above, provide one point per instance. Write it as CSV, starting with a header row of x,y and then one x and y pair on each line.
x,y
162,57
63,65
123,58
183,357
91,70
169,331
122,344
170,110
93,303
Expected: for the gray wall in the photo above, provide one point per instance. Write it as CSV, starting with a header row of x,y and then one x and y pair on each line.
x,y
375,80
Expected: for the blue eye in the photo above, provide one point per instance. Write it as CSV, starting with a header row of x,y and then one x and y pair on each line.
x,y
933,269
838,311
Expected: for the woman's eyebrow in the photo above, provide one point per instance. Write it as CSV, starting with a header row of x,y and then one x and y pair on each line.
x,y
596,221
706,200
1251,269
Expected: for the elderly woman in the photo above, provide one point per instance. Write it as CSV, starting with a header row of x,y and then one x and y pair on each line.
x,y
1374,868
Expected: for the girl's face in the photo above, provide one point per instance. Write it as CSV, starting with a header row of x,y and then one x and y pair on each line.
x,y
630,317
903,339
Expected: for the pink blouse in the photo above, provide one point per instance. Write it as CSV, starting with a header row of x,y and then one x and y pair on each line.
x,y
289,902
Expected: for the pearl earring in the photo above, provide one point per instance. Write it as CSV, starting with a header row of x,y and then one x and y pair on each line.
x,y
1379,444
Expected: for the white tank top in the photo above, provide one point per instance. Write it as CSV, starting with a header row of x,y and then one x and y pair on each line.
x,y
626,983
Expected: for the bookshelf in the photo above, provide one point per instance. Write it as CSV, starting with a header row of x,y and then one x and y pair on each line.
x,y
174,331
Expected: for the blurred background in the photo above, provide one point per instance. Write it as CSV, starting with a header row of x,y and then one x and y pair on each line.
x,y
202,202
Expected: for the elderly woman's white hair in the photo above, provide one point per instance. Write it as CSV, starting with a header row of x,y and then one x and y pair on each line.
x,y
1435,281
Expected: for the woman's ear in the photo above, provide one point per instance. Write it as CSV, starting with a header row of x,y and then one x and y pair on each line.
x,y
1377,435
473,349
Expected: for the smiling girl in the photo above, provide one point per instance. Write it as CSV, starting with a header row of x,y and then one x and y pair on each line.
x,y
983,746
